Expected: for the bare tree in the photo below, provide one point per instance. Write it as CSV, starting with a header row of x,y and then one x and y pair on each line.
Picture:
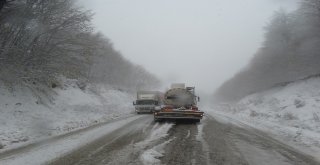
x,y
41,40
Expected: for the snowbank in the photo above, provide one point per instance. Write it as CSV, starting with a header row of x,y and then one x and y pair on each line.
x,y
27,115
47,152
292,112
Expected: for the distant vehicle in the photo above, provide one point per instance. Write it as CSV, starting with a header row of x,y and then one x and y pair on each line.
x,y
147,101
180,102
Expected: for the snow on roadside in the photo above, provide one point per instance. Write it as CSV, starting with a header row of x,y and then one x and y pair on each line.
x,y
26,116
289,112
46,152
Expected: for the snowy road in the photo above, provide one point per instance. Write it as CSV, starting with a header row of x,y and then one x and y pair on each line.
x,y
138,140
211,142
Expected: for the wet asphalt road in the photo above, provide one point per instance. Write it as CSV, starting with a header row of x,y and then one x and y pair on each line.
x,y
209,142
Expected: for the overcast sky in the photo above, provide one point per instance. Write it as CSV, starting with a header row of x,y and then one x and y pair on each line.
x,y
199,42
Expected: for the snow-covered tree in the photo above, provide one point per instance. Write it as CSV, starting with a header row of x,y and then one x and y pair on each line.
x,y
291,51
41,40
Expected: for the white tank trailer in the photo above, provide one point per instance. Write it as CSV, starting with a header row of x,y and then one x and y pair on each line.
x,y
180,102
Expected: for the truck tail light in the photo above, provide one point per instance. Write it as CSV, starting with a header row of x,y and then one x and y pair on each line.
x,y
167,108
194,108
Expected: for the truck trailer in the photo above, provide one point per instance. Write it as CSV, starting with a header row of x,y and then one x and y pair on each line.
x,y
180,102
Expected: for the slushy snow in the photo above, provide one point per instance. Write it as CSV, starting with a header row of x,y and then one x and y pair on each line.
x,y
291,113
152,155
46,152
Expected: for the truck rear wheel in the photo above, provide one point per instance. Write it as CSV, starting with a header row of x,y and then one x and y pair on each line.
x,y
197,120
156,120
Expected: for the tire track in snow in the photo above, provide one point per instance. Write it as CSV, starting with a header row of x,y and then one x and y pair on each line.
x,y
205,145
152,155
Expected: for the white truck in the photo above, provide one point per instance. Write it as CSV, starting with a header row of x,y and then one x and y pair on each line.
x,y
180,102
147,101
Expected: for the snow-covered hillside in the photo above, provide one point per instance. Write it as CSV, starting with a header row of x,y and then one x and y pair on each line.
x,y
27,115
292,112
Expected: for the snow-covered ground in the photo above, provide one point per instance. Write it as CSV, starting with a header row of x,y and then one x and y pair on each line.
x,y
291,113
47,152
28,115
